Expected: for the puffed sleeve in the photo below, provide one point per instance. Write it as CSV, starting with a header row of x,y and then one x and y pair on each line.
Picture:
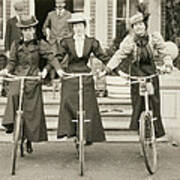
x,y
98,52
159,45
59,53
13,57
125,49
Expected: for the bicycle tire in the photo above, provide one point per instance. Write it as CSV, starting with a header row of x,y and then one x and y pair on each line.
x,y
148,142
81,157
15,143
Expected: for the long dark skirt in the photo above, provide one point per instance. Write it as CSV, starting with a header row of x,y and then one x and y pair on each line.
x,y
33,112
138,106
69,108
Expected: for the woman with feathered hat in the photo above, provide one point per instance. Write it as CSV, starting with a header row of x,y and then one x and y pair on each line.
x,y
24,61
138,49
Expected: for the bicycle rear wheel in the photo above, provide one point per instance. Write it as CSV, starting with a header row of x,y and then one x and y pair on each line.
x,y
148,142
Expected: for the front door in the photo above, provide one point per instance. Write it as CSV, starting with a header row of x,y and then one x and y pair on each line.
x,y
43,7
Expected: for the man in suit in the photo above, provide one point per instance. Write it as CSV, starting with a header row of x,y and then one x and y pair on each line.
x,y
13,33
56,27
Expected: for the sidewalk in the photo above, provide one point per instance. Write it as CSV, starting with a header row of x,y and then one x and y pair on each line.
x,y
105,161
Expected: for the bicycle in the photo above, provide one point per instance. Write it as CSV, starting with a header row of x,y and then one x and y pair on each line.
x,y
18,130
80,121
146,121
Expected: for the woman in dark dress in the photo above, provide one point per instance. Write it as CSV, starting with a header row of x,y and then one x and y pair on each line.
x,y
24,61
137,50
78,47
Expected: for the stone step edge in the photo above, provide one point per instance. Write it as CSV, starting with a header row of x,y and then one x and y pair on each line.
x,y
108,101
109,138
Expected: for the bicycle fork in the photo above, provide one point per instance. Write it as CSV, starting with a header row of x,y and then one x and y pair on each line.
x,y
18,125
149,113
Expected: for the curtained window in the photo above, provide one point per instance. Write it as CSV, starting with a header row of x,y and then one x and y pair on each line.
x,y
125,9
78,5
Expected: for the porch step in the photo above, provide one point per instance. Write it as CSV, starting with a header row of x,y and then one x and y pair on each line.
x,y
111,136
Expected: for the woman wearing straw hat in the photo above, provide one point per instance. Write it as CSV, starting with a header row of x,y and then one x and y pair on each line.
x,y
138,49
78,47
24,61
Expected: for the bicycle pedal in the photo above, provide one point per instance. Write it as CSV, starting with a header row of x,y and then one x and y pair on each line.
x,y
75,120
154,119
87,120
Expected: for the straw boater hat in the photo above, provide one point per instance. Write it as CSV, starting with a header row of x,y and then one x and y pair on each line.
x,y
77,18
19,6
60,3
27,21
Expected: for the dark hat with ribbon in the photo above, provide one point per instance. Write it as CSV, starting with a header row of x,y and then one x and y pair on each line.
x,y
27,21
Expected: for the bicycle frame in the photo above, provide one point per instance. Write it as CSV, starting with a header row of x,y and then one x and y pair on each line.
x,y
18,122
81,117
148,142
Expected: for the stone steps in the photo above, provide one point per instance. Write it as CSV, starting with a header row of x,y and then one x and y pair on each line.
x,y
111,136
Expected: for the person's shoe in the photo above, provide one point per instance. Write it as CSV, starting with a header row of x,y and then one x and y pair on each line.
x,y
88,143
9,128
29,148
3,93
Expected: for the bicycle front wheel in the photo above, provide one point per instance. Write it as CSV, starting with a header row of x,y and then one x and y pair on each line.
x,y
148,142
15,144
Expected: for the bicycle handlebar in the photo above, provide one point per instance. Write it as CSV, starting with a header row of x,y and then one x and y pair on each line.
x,y
138,79
11,77
73,75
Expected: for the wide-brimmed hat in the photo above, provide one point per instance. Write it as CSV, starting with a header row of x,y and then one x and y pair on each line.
x,y
77,18
136,18
60,3
19,6
27,21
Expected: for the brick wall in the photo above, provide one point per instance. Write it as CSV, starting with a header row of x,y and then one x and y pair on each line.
x,y
110,22
93,17
163,17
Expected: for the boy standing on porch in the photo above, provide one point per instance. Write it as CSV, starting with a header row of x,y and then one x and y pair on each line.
x,y
56,26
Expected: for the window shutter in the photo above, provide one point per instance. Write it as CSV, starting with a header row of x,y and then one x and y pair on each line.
x,y
110,22
93,17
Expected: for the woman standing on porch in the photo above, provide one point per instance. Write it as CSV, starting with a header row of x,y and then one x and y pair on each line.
x,y
79,48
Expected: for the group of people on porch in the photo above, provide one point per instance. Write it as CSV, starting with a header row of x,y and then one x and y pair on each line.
x,y
68,48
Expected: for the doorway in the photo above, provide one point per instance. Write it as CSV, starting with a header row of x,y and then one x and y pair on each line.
x,y
43,7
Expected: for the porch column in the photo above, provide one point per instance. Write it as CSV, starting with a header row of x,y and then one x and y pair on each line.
x,y
170,104
155,15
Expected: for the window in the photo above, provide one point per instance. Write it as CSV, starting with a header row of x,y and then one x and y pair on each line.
x,y
78,5
124,10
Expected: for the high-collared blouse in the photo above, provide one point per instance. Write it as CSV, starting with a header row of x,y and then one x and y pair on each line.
x,y
128,49
25,57
79,44
77,61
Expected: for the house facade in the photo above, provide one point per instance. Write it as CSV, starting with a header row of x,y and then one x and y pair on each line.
x,y
107,18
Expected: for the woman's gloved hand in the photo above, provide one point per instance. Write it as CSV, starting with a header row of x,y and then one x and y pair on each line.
x,y
43,74
4,72
60,72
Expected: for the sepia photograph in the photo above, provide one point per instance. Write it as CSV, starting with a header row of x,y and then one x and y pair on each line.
x,y
89,89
